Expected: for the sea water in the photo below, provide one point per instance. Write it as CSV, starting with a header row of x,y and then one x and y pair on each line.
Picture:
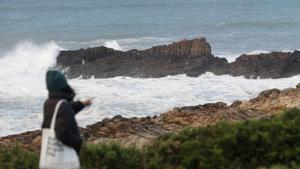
x,y
32,33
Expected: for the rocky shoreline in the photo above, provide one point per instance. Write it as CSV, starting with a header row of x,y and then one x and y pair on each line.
x,y
141,131
190,57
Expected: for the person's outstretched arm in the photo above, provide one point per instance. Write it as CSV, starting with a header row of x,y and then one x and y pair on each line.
x,y
79,105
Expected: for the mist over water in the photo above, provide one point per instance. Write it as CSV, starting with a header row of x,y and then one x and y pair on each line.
x,y
23,90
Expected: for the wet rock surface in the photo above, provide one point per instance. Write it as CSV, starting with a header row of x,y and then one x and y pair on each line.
x,y
190,57
141,131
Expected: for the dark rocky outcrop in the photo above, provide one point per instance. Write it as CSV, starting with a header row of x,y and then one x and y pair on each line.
x,y
272,65
140,131
190,57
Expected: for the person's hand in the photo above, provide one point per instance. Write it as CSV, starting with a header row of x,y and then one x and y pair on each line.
x,y
87,102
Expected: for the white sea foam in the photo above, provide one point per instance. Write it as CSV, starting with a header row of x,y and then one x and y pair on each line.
x,y
229,56
23,90
257,52
24,66
112,44
288,50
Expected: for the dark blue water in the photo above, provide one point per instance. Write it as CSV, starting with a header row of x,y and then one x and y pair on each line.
x,y
231,26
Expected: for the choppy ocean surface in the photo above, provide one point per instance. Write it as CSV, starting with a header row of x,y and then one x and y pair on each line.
x,y
32,33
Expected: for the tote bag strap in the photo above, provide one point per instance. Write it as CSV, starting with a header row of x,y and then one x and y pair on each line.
x,y
53,121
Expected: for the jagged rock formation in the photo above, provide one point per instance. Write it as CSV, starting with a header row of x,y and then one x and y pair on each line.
x,y
190,57
141,131
272,65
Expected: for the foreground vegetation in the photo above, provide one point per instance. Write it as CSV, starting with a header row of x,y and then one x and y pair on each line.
x,y
256,144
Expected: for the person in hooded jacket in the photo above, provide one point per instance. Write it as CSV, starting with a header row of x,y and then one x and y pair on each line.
x,y
66,128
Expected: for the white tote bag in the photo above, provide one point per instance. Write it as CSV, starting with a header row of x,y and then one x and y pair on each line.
x,y
54,154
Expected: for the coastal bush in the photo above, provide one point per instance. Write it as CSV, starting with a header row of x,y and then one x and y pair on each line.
x,y
269,143
110,156
17,158
247,145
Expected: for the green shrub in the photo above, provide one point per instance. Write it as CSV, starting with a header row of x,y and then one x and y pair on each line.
x,y
246,145
111,156
16,158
